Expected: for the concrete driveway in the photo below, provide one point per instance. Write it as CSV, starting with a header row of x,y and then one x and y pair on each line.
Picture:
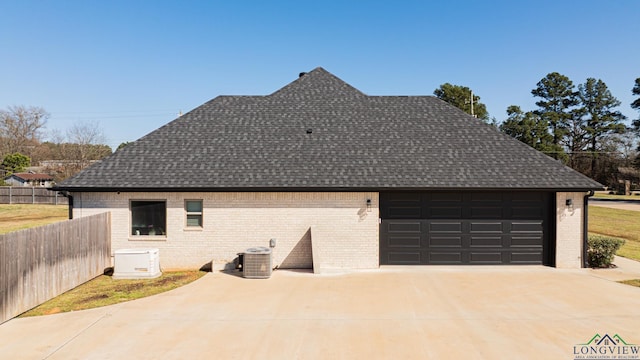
x,y
393,313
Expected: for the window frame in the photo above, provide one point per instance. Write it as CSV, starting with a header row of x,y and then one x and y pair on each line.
x,y
162,235
188,213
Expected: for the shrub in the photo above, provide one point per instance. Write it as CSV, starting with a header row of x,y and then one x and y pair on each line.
x,y
601,250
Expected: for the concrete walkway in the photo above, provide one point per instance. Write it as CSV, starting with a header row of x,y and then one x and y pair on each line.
x,y
625,269
616,204
524,312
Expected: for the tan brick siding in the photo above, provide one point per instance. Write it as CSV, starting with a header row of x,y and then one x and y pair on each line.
x,y
233,222
569,230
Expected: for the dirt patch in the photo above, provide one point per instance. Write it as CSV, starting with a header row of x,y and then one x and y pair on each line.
x,y
172,279
129,287
52,311
94,298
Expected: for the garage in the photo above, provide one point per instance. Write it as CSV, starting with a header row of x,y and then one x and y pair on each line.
x,y
466,228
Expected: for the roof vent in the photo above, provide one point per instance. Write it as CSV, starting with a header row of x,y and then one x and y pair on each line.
x,y
309,130
302,74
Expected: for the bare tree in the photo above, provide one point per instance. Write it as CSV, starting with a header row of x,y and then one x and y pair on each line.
x,y
75,149
626,147
21,128
84,139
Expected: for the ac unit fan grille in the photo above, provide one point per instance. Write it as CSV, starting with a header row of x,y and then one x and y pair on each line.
x,y
257,264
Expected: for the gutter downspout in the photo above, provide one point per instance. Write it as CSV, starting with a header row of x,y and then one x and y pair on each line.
x,y
70,198
585,230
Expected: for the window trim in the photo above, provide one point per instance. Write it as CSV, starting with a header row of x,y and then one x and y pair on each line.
x,y
197,213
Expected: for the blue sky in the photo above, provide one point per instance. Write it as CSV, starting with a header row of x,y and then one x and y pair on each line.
x,y
133,65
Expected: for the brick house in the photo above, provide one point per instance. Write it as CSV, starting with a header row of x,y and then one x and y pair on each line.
x,y
340,180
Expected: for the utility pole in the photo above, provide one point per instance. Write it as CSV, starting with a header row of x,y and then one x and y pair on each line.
x,y
472,114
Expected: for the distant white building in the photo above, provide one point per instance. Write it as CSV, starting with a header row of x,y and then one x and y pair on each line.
x,y
29,179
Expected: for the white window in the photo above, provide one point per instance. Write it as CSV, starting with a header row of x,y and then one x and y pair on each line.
x,y
193,209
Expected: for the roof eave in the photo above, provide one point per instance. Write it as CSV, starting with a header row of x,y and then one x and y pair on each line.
x,y
317,189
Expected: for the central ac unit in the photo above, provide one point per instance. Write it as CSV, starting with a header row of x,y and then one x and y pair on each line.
x,y
257,263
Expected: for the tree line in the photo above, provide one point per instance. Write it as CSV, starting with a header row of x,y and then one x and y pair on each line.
x,y
22,133
578,125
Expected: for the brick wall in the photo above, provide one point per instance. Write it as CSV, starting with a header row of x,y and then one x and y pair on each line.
x,y
569,230
345,230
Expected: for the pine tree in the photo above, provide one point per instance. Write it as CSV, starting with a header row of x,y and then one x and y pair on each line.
x,y
530,129
557,98
460,97
599,114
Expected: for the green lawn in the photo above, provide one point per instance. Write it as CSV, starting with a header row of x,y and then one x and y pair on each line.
x,y
104,290
22,216
624,224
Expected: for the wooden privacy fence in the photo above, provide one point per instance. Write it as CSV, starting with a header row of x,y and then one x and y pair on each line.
x,y
30,195
41,263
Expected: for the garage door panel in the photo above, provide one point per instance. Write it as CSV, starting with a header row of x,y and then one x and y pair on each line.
x,y
404,226
485,241
445,227
445,257
446,197
526,196
486,197
400,212
526,241
404,241
400,197
444,212
464,227
484,258
404,258
486,212
527,212
486,227
445,241
528,227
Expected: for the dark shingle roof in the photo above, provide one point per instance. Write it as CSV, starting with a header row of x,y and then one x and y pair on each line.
x,y
357,142
32,176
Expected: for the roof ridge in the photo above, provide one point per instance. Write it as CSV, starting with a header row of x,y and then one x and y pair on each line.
x,y
317,82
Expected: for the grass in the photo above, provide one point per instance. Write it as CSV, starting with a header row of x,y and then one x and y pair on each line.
x,y
634,282
104,290
22,216
624,224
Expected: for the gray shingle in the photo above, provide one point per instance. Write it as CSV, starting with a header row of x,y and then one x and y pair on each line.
x,y
357,142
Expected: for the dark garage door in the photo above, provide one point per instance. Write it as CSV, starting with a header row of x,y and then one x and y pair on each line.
x,y
464,228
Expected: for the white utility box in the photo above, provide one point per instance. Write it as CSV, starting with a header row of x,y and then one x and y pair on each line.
x,y
136,264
